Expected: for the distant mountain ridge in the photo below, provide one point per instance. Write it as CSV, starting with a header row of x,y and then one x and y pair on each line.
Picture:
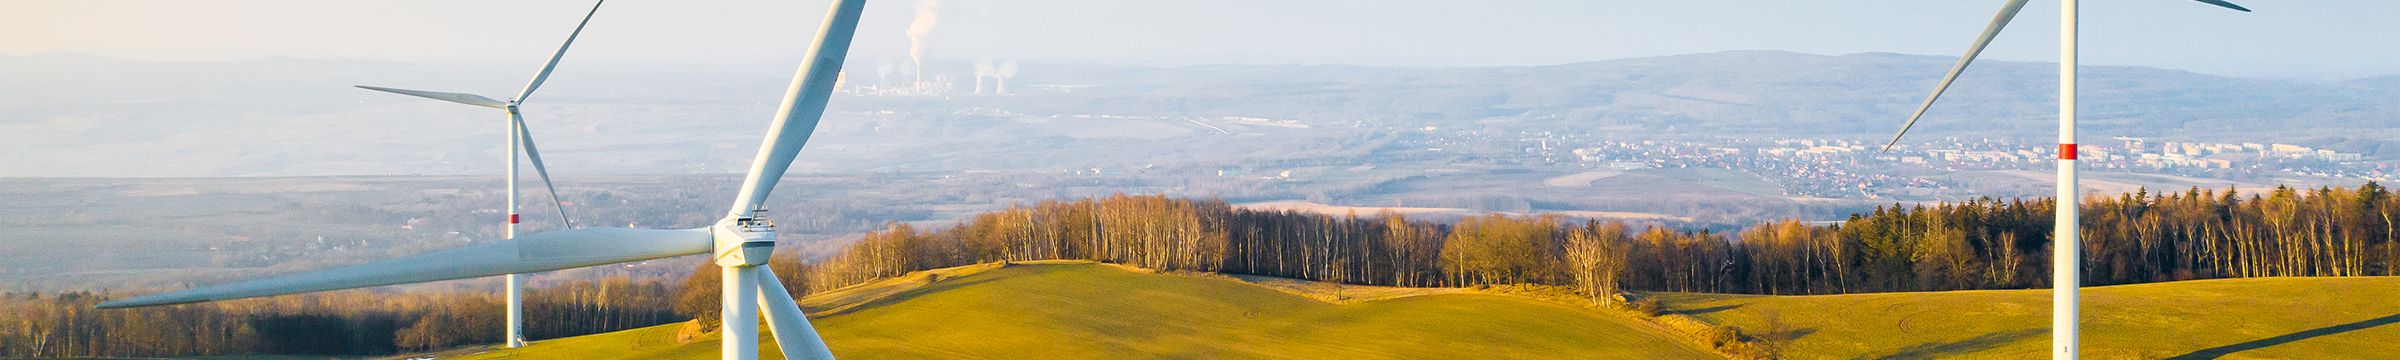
x,y
1767,92
64,114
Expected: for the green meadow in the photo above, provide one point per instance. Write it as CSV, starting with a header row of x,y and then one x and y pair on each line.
x,y
2262,318
1087,310
1094,311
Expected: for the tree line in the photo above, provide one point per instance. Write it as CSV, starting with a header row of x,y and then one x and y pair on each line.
x,y
64,324
1981,244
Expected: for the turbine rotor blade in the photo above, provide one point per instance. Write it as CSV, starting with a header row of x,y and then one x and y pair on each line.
x,y
547,251
469,99
2007,12
793,333
562,52
2224,4
534,154
803,105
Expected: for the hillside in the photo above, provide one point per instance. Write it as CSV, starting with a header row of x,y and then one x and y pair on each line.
x,y
1085,310
2260,318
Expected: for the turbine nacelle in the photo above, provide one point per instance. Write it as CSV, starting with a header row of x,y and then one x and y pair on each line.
x,y
743,242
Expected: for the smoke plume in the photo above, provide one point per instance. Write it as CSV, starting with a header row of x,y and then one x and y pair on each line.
x,y
928,12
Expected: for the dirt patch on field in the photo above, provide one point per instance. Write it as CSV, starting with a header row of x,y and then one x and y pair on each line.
x,y
1580,180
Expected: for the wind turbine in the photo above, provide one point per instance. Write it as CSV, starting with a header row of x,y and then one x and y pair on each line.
x,y
2065,260
741,242
520,140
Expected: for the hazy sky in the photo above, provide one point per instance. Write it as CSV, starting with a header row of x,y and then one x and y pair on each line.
x,y
2311,39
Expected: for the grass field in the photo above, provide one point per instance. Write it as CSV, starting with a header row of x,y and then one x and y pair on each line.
x,y
1728,179
1051,311
1084,310
2271,318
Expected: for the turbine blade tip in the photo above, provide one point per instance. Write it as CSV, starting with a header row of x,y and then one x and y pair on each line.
x,y
2225,4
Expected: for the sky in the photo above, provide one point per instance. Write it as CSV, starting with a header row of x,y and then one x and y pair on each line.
x,y
2287,39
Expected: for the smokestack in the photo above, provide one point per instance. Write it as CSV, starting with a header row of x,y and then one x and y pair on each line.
x,y
928,12
1008,69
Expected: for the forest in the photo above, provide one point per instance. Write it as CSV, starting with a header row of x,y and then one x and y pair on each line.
x,y
1981,244
354,322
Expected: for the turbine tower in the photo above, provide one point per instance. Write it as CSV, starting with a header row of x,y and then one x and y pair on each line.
x,y
740,243
2066,264
520,139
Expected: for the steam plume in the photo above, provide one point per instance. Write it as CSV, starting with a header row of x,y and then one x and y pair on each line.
x,y
928,12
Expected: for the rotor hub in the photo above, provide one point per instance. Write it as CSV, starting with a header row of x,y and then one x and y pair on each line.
x,y
743,242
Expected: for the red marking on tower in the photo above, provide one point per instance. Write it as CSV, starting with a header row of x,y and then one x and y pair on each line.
x,y
2066,151
512,218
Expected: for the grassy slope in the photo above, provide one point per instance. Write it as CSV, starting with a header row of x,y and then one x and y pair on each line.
x,y
1099,311
2274,318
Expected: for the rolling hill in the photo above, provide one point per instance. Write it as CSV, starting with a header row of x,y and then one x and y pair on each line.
x,y
2262,318
1086,310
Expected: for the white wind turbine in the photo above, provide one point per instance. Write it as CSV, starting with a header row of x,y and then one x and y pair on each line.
x,y
520,140
741,242
2065,260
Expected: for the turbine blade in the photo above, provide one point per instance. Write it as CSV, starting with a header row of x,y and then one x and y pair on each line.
x,y
535,154
2226,5
2007,12
562,52
802,106
554,250
798,339
469,99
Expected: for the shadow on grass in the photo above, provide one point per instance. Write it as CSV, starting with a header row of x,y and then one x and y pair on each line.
x,y
2221,351
1937,350
1706,310
904,295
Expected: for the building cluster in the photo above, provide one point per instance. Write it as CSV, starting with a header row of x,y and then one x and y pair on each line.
x,y
1803,167
1842,168
937,85
2136,152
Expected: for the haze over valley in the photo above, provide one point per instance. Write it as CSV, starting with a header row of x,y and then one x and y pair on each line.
x,y
70,115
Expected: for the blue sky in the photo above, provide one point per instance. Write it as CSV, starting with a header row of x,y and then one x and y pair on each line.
x,y
2313,39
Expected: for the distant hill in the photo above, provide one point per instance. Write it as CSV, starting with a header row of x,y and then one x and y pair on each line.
x,y
1756,92
65,114
1093,311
